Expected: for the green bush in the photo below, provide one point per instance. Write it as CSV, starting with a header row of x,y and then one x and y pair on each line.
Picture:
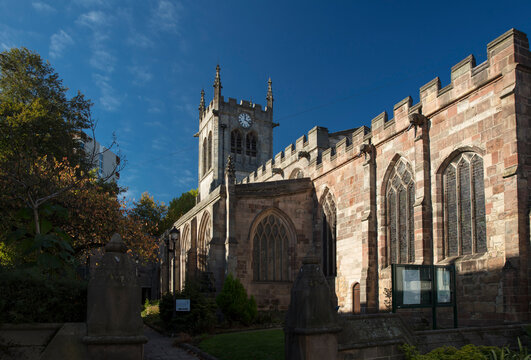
x,y
234,303
28,296
200,318
467,352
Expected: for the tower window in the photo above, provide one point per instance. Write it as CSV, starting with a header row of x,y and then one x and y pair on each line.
x,y
205,157
236,142
250,144
209,160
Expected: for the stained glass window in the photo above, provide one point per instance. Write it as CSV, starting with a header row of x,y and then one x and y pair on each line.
x,y
270,247
400,221
464,206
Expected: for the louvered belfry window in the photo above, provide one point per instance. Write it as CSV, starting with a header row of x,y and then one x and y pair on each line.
x,y
270,247
464,206
400,221
250,145
236,142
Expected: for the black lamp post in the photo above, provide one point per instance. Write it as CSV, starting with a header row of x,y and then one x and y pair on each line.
x,y
173,238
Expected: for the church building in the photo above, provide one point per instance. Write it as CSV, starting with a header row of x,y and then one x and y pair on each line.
x,y
443,181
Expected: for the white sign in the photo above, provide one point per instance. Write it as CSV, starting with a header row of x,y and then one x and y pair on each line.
x,y
182,305
411,286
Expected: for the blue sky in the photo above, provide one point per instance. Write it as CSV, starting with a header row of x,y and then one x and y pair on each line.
x,y
336,64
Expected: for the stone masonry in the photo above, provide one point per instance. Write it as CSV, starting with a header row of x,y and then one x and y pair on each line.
x,y
332,195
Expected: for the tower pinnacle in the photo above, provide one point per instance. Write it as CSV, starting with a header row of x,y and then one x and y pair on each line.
x,y
217,86
269,96
202,104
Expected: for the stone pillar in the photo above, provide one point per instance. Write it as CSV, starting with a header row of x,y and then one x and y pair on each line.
x,y
230,240
114,325
422,212
311,321
369,271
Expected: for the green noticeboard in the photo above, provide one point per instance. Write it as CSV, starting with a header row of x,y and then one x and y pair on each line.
x,y
424,286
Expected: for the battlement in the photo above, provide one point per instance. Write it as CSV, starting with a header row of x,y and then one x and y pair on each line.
x,y
319,147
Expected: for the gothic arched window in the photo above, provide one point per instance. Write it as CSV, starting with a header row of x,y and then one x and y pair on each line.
x,y
270,248
205,156
400,198
203,242
464,206
328,234
209,151
250,144
236,142
185,247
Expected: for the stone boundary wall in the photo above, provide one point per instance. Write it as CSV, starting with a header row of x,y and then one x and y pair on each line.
x,y
25,341
379,336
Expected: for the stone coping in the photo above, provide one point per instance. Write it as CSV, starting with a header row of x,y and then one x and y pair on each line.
x,y
471,329
31,326
114,340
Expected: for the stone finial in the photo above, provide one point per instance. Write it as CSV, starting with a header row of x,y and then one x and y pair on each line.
x,y
230,172
202,103
217,85
269,96
116,244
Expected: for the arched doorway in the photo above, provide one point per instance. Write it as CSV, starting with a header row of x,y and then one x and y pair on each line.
x,y
356,307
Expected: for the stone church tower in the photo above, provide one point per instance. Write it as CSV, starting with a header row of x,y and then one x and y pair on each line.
x,y
243,130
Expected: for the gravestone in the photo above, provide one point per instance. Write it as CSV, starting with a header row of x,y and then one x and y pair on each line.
x,y
312,320
114,324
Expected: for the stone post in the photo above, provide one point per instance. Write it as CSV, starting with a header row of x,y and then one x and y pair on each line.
x,y
114,325
369,270
311,322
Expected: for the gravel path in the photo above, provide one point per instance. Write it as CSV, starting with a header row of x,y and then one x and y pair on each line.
x,y
159,347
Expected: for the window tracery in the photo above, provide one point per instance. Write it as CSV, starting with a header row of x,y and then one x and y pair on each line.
x,y
464,206
400,198
328,234
202,245
270,249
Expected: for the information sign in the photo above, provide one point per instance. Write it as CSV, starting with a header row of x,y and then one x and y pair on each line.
x,y
444,295
423,286
182,304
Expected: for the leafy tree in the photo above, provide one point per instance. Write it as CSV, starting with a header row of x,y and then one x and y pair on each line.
x,y
43,167
37,118
40,134
178,207
150,213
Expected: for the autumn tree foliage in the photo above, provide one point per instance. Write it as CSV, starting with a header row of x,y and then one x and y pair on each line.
x,y
53,208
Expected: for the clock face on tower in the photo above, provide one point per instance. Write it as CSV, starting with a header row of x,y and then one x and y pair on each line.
x,y
245,120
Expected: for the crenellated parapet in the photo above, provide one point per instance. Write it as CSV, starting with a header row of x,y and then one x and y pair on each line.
x,y
321,147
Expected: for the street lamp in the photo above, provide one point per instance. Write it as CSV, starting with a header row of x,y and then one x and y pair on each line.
x,y
173,238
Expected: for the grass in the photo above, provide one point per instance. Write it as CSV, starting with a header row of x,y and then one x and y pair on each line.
x,y
256,345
